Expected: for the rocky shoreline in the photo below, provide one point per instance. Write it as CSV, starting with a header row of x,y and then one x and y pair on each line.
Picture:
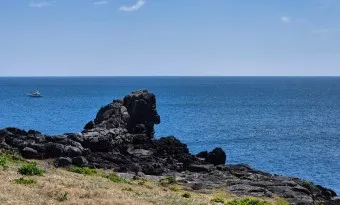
x,y
121,137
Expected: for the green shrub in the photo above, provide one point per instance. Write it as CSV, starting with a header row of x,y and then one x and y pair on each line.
x,y
144,182
12,156
168,180
217,200
25,181
7,157
3,162
248,201
307,183
281,201
82,170
115,178
175,187
320,203
62,197
186,195
141,181
31,169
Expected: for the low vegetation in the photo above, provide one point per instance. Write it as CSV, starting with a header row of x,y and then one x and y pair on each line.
x,y
115,178
78,186
186,195
281,201
12,157
321,203
7,157
3,163
62,196
31,169
24,181
82,170
175,187
168,180
143,182
127,189
248,201
217,200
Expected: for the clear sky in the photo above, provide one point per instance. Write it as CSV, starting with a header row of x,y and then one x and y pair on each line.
x,y
169,37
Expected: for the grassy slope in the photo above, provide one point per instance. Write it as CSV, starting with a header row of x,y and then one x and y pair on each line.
x,y
59,186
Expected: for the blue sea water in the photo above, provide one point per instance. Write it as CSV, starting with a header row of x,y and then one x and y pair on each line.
x,y
284,125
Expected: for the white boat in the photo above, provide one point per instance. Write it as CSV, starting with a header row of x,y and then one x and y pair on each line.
x,y
35,94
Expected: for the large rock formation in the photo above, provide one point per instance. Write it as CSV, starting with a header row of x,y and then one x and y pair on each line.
x,y
121,137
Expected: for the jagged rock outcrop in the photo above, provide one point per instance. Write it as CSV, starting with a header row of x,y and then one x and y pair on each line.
x,y
121,137
246,181
215,157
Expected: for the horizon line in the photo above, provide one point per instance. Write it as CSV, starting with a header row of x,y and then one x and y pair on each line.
x,y
108,76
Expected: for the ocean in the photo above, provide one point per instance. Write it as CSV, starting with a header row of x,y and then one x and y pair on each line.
x,y
283,125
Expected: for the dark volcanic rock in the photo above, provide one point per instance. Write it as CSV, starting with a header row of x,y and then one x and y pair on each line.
x,y
63,162
80,161
89,125
73,151
100,143
141,107
28,152
200,167
216,157
55,150
203,154
197,186
335,201
121,137
153,169
171,147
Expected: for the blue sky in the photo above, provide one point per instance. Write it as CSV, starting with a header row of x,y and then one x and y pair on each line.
x,y
169,37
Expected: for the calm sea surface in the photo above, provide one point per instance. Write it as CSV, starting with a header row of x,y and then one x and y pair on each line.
x,y
283,125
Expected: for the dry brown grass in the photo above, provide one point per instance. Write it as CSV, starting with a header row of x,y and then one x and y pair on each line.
x,y
59,186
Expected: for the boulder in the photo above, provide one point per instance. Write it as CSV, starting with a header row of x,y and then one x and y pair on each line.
x,y
216,157
73,151
75,137
80,161
63,162
30,153
55,149
197,186
328,193
334,201
203,154
153,169
171,147
89,125
102,143
40,148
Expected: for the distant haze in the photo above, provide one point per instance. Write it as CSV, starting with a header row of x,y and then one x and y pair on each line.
x,y
177,37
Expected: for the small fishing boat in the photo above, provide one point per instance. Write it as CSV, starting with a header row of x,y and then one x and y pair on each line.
x,y
35,94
